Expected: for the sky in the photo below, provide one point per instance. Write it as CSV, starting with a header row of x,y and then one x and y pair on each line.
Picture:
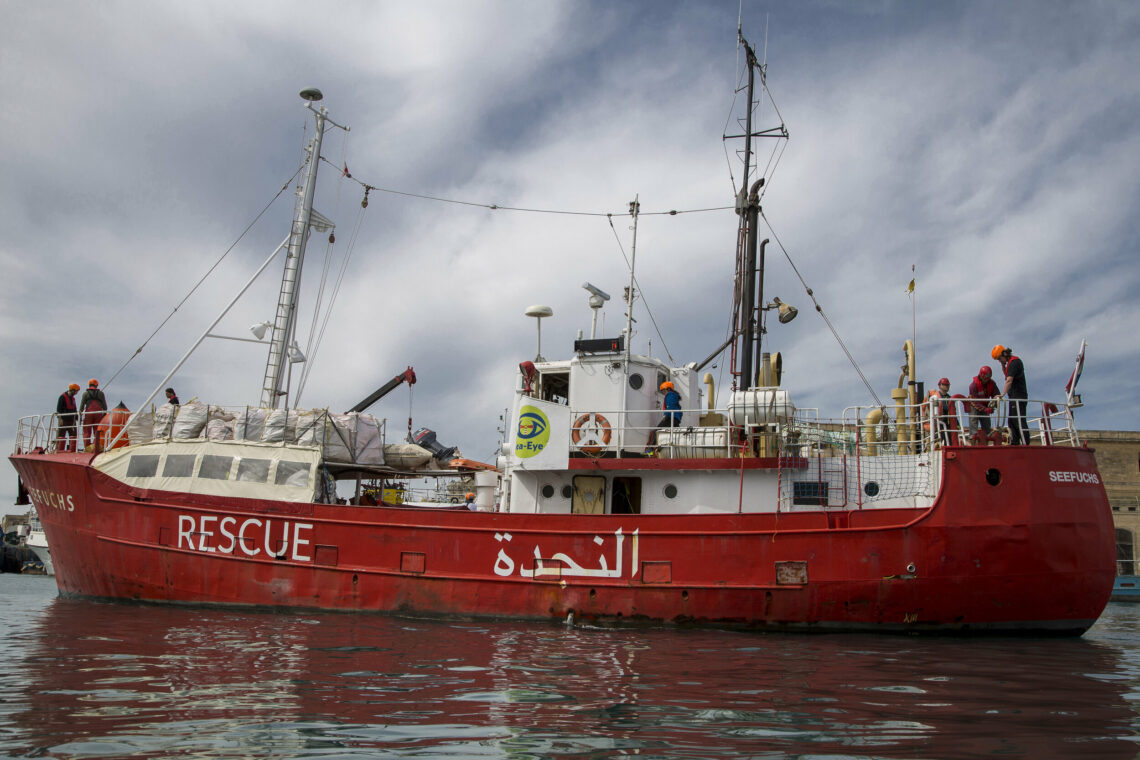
x,y
991,147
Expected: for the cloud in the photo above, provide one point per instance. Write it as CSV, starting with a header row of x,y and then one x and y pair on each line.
x,y
990,147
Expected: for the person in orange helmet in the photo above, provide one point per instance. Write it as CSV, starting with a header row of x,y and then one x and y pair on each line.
x,y
671,405
469,501
66,412
92,406
1016,391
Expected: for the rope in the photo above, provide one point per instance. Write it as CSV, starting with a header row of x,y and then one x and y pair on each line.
x,y
203,279
497,207
819,309
638,286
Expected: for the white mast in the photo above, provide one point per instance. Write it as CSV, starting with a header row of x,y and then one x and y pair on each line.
x,y
285,322
631,293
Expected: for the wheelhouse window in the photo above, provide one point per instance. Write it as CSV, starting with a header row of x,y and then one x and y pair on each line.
x,y
554,387
179,465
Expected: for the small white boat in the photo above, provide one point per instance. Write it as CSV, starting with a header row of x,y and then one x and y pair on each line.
x,y
37,542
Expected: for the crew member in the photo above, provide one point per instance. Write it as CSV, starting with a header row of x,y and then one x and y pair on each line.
x,y
1016,391
943,411
65,410
672,407
469,501
92,405
983,391
172,397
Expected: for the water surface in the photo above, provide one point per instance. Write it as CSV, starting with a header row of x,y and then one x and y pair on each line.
x,y
90,679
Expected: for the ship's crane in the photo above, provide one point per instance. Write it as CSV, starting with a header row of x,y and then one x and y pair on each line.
x,y
407,376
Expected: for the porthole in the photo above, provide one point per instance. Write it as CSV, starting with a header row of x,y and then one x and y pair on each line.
x,y
636,381
993,476
871,488
567,492
670,491
547,491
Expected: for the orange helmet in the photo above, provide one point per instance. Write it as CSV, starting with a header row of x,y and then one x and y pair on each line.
x,y
998,350
92,383
469,495
73,387
666,386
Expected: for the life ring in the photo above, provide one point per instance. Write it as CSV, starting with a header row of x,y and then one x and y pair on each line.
x,y
600,432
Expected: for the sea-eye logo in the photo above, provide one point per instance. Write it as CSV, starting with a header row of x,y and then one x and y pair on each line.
x,y
533,432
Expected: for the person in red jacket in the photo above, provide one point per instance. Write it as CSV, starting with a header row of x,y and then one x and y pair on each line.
x,y
983,399
92,406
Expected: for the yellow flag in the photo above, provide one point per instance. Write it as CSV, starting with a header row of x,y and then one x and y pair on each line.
x,y
910,287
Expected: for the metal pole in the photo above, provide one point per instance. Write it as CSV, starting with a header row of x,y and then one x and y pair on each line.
x,y
285,320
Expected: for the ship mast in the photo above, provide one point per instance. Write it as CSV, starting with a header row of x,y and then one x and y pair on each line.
x,y
750,270
282,346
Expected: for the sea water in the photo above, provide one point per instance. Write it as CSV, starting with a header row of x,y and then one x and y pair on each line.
x,y
85,679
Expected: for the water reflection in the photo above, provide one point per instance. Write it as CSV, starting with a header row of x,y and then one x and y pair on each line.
x,y
101,680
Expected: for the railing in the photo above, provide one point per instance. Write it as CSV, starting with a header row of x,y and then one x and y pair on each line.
x,y
867,431
1045,423
316,427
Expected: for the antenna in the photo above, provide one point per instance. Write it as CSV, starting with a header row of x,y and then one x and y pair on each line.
x,y
598,298
539,311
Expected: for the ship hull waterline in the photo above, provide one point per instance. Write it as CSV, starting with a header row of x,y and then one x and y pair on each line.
x,y
1031,553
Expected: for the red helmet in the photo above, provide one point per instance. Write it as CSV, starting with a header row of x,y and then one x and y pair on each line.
x,y
985,372
944,381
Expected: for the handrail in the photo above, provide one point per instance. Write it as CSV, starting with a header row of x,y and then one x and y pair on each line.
x,y
40,432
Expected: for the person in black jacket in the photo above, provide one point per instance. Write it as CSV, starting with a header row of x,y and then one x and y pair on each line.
x,y
1016,391
65,410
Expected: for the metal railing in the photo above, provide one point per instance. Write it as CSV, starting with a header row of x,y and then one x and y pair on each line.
x,y
42,432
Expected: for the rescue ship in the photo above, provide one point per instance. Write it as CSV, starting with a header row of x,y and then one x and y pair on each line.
x,y
750,513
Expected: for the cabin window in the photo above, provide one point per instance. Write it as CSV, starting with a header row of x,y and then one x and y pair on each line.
x,y
253,470
636,381
809,493
547,491
670,491
567,492
178,465
292,474
215,467
142,466
554,387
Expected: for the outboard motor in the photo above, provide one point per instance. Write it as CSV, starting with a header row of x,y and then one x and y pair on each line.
x,y
426,438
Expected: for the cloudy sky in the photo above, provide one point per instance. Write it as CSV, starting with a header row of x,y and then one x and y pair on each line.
x,y
991,146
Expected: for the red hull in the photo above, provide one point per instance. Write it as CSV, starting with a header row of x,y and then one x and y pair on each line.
x,y
1033,553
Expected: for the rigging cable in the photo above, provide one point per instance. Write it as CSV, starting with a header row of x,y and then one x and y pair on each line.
x,y
497,207
638,286
819,309
312,345
139,350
